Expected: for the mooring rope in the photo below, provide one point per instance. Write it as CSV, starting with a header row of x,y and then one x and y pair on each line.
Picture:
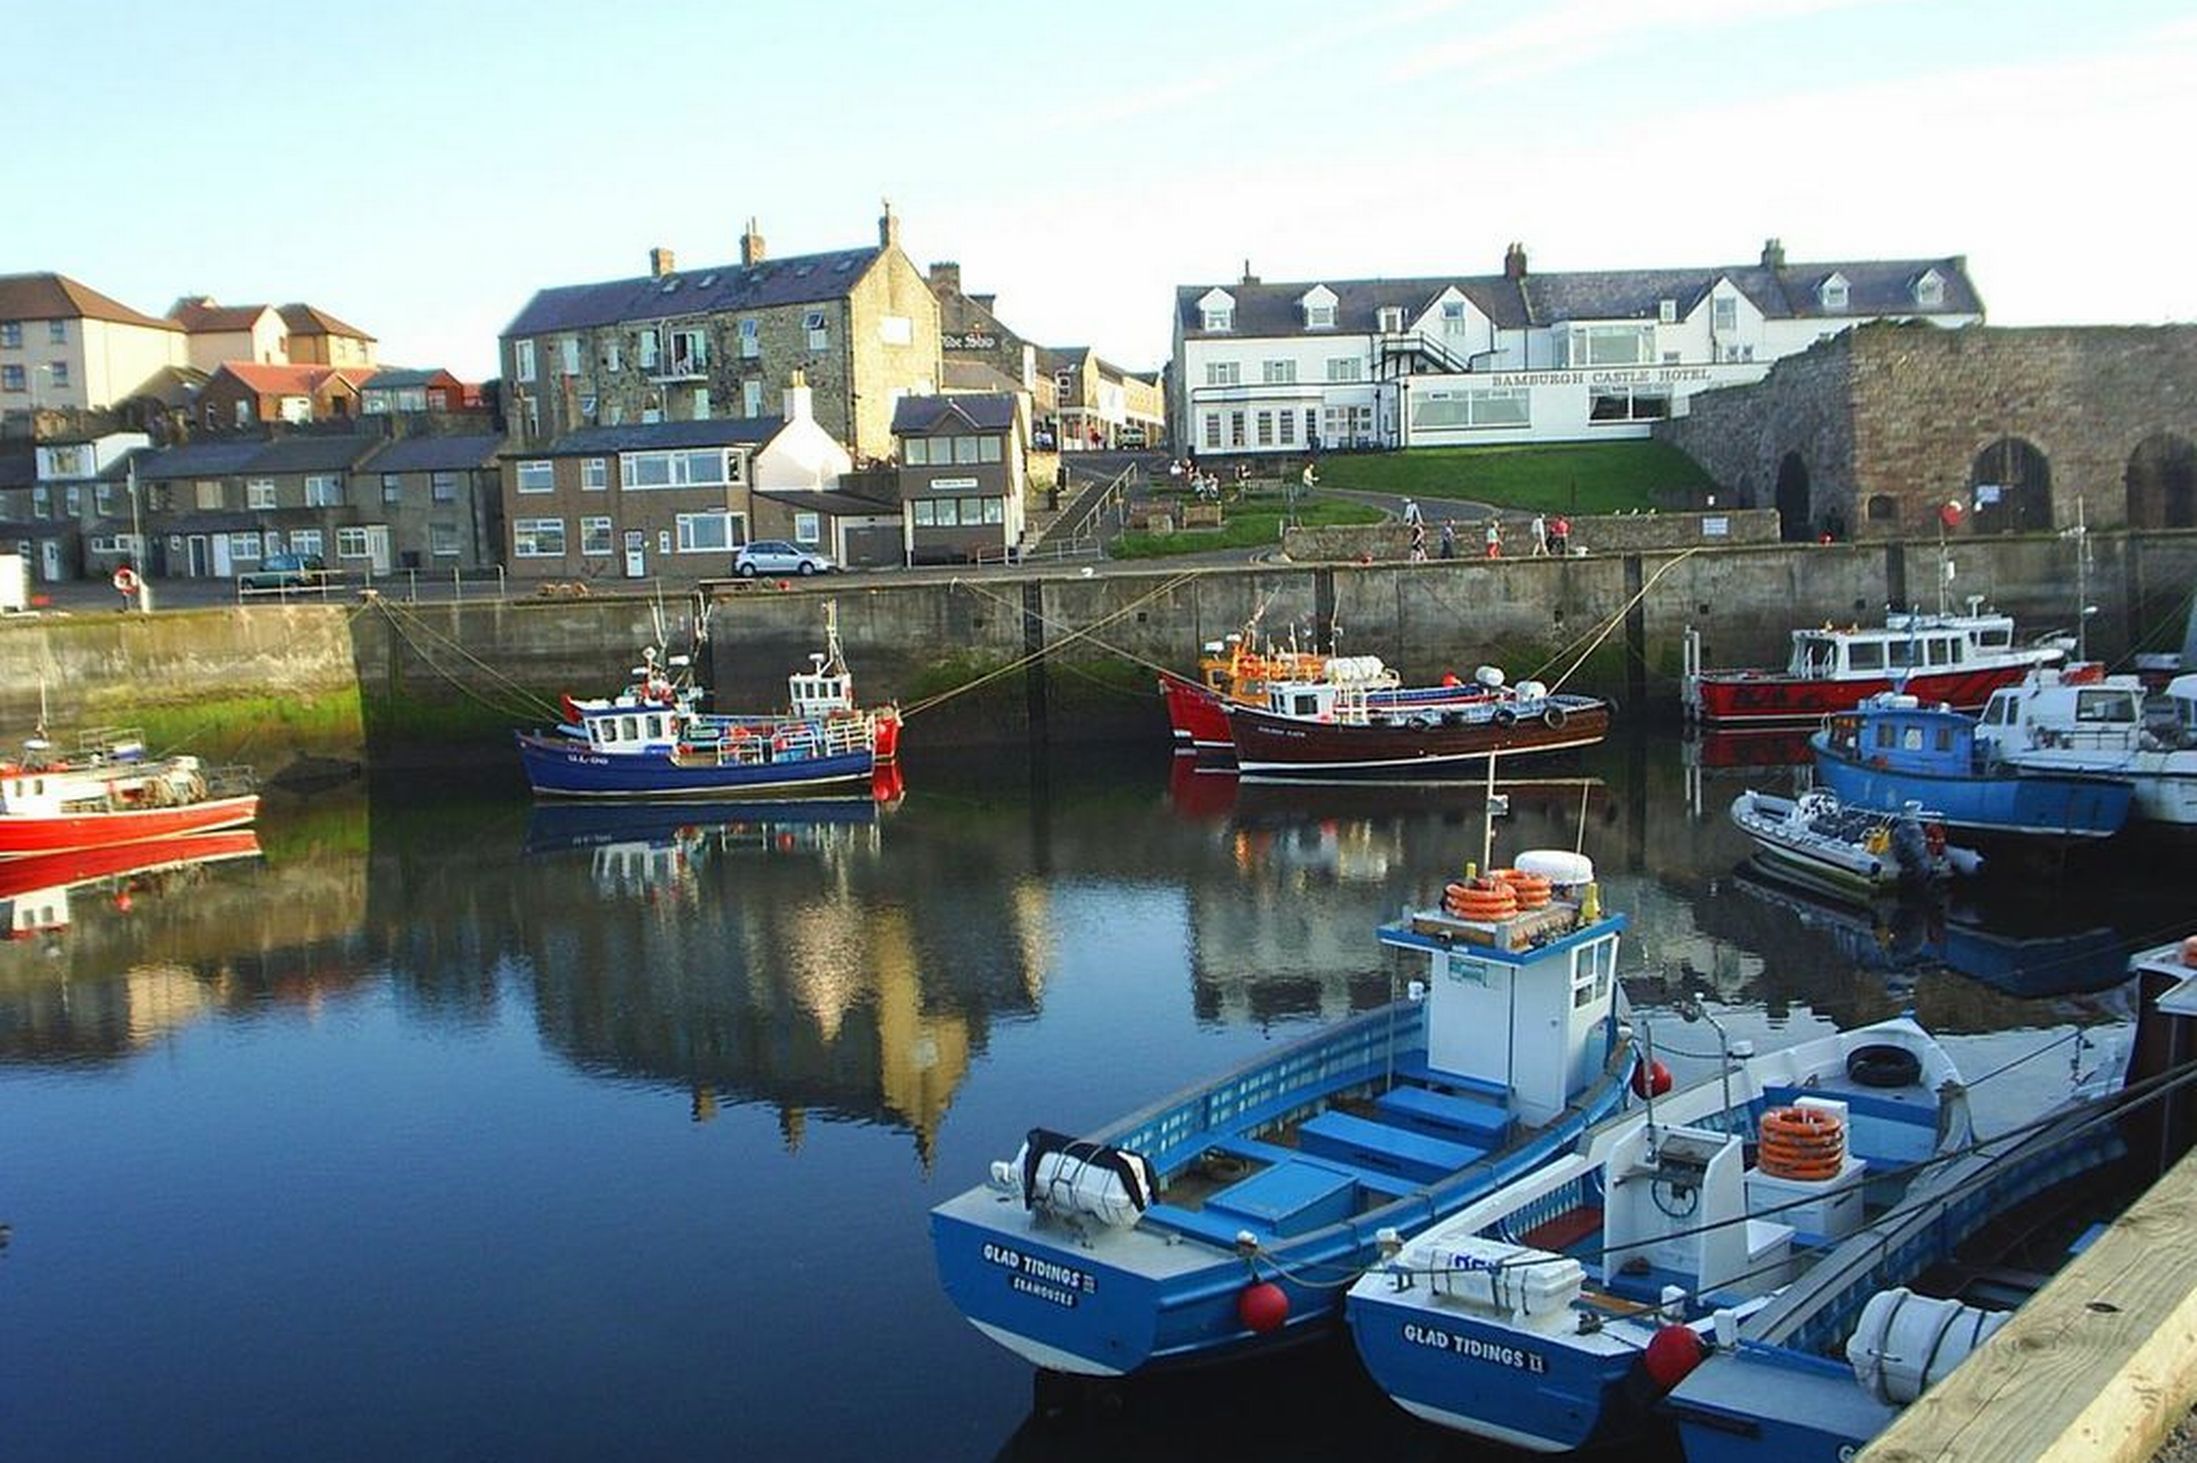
x,y
525,703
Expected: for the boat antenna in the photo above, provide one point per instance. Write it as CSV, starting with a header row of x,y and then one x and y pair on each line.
x,y
1487,821
2081,536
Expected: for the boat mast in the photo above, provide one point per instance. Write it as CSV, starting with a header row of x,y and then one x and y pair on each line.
x,y
2081,535
835,664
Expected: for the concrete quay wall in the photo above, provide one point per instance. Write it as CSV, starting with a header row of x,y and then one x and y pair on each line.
x,y
399,678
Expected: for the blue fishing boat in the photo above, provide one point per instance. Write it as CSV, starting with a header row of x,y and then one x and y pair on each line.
x,y
655,740
1893,751
1816,1371
1220,1222
1553,1314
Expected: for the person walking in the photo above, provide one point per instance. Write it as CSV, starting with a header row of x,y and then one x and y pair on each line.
x,y
1560,536
1411,511
1418,541
1540,535
1449,539
1495,537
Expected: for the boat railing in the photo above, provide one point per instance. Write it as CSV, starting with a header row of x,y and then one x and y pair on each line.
x,y
111,744
233,779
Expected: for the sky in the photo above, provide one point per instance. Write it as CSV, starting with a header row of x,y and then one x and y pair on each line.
x,y
420,170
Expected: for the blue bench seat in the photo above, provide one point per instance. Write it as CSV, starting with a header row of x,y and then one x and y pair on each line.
x,y
1427,1076
1219,1229
1380,1145
1290,1198
1387,1185
1473,1119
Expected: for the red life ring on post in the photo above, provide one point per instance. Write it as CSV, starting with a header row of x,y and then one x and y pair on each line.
x,y
125,579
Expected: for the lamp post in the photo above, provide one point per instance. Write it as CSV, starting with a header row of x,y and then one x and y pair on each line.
x,y
137,546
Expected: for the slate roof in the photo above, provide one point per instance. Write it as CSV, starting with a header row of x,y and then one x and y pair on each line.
x,y
649,436
284,454
304,319
1875,287
922,415
293,380
199,460
836,504
52,296
709,290
958,375
201,315
312,454
437,454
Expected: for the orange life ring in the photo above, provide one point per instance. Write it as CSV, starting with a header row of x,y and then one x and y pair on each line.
x,y
125,579
741,734
1533,890
1481,899
1802,1143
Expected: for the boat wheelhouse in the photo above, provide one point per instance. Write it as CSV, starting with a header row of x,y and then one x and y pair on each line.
x,y
1893,750
2079,719
1957,659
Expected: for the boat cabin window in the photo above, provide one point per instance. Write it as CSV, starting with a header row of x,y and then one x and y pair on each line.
x,y
2105,706
1865,655
1898,653
1941,650
1999,711
1814,656
655,726
1945,739
1998,637
1305,703
1886,737
1910,739
1591,965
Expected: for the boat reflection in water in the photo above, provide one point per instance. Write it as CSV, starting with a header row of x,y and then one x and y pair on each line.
x,y
42,892
2017,950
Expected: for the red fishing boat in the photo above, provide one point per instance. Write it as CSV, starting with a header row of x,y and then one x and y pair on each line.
x,y
1954,659
110,792
34,889
1330,728
1229,669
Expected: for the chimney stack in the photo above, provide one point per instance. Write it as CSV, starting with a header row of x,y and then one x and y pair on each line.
x,y
888,228
661,262
751,247
1248,277
1514,262
946,275
799,407
1773,253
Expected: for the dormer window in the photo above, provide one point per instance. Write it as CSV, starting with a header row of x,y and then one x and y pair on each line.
x,y
1832,292
1318,304
1392,319
1930,290
1666,311
1217,310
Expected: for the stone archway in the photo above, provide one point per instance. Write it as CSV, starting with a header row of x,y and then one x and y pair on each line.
x,y
2010,486
2162,482
1794,521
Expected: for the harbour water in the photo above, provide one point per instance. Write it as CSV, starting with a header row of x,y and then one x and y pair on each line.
x,y
445,1126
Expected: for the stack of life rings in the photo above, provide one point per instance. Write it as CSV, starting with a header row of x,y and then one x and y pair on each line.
x,y
1496,895
1802,1143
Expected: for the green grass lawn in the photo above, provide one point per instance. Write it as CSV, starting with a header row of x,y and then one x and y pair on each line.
x,y
1572,477
1254,524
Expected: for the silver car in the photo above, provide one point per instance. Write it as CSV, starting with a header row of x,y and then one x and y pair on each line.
x,y
776,556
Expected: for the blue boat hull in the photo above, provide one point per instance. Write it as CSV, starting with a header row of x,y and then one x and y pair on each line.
x,y
1461,1375
1060,1304
563,766
2039,806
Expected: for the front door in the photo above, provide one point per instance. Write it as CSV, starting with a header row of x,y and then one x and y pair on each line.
x,y
49,560
221,556
195,546
636,554
377,546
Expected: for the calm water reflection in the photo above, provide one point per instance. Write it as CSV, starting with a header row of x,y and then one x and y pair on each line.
x,y
448,1126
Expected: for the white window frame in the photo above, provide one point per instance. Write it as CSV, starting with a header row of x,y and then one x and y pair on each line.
x,y
635,469
596,531
352,543
594,474
522,360
392,487
818,327
442,486
259,493
1278,373
324,490
443,540
568,351
528,535
808,528
749,332
690,541
535,475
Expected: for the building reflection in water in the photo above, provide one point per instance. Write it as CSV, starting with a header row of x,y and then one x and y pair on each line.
x,y
761,953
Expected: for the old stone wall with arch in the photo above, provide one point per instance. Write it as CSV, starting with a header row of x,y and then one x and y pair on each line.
x,y
1894,421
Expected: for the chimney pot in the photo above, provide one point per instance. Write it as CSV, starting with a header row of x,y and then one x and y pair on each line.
x,y
661,262
1514,262
1773,253
1248,276
751,247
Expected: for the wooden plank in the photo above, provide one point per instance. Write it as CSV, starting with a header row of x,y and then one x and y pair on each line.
x,y
2097,1368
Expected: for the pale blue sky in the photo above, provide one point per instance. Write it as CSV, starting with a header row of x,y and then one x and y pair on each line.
x,y
420,169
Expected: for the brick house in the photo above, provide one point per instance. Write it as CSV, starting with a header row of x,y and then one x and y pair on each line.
x,y
641,499
318,338
676,346
245,396
213,509
442,500
963,472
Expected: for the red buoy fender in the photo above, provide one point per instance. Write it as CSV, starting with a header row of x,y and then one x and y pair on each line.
x,y
1651,1079
1672,1352
1263,1307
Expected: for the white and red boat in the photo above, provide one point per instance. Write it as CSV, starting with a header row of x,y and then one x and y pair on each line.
x,y
35,889
110,792
1234,671
1954,659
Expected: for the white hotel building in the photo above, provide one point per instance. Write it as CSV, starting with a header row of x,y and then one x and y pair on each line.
x,y
1514,357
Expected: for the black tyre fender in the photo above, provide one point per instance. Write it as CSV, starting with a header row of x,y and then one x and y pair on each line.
x,y
1883,1065
1553,718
